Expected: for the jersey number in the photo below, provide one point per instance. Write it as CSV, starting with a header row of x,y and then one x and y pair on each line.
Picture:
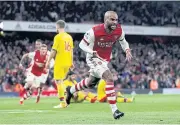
x,y
67,46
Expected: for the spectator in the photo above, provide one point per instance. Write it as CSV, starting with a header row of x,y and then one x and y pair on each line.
x,y
151,13
152,58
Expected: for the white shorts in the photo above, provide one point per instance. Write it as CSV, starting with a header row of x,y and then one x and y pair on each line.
x,y
97,67
33,81
44,78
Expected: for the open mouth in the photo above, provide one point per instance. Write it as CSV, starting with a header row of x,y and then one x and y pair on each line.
x,y
113,26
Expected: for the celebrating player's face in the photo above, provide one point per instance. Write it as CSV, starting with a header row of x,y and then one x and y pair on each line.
x,y
43,50
112,21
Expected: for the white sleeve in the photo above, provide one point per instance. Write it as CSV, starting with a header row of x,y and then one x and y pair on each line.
x,y
123,42
88,39
89,36
52,60
31,55
51,63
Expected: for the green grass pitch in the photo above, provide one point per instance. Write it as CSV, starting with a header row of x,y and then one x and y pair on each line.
x,y
154,109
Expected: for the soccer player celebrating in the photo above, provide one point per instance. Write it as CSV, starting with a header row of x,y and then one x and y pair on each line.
x,y
35,75
38,44
62,51
97,43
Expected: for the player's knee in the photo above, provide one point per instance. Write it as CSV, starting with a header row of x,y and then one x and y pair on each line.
x,y
92,81
91,85
107,76
39,88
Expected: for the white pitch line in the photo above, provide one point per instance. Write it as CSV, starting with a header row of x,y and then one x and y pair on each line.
x,y
25,111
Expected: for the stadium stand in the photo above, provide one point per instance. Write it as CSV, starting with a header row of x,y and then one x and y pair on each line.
x,y
155,58
152,13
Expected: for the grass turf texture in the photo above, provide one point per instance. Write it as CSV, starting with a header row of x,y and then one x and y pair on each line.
x,y
155,109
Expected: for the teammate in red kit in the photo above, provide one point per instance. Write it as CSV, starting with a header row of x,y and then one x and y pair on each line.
x,y
38,44
37,71
97,43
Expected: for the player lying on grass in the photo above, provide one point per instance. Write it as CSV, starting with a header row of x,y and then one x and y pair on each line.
x,y
81,95
101,95
78,96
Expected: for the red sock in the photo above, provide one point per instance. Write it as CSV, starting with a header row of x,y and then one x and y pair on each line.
x,y
111,96
81,85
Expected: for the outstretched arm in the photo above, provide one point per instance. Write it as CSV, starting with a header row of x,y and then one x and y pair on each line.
x,y
29,55
125,46
23,57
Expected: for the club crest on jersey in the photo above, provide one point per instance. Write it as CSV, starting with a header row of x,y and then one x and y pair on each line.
x,y
36,60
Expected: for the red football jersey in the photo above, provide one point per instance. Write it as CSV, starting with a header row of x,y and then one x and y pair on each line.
x,y
101,41
36,70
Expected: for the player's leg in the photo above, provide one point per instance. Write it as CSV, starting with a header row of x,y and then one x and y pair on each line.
x,y
119,94
101,95
59,76
85,83
123,99
82,95
110,93
27,92
79,96
42,80
38,85
61,96
39,90
92,96
61,90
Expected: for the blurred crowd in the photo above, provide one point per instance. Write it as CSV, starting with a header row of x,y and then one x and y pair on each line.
x,y
155,59
157,13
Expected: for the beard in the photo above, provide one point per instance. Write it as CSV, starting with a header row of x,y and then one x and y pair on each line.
x,y
112,27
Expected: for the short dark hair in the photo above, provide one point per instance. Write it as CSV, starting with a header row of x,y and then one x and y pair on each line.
x,y
61,23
